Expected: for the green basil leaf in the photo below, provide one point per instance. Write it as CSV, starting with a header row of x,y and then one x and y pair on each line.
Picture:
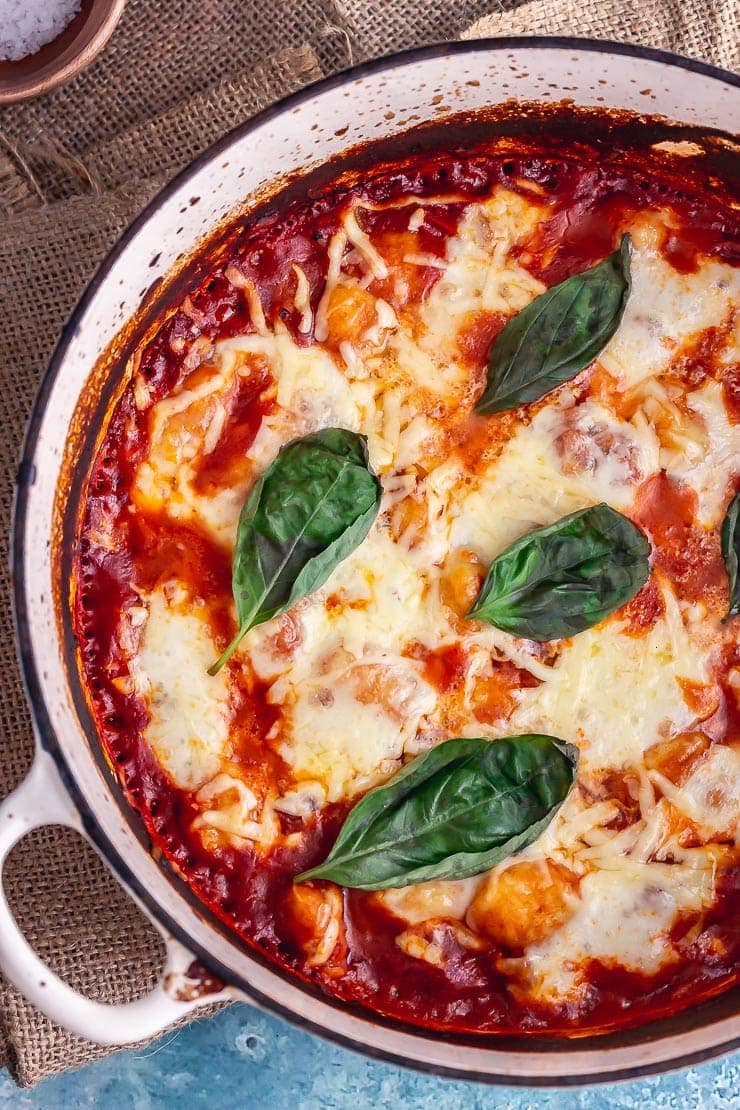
x,y
558,334
730,537
313,506
556,581
455,811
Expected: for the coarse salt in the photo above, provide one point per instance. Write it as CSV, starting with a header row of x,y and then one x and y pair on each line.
x,y
27,25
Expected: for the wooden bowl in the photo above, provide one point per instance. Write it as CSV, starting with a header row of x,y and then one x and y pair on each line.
x,y
65,56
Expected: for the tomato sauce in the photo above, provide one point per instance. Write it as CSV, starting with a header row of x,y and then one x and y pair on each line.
x,y
592,198
688,554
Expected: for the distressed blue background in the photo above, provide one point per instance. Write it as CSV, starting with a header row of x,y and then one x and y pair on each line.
x,y
243,1058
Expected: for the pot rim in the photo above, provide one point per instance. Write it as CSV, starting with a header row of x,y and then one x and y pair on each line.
x,y
25,477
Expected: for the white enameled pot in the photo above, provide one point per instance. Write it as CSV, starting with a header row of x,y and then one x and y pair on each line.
x,y
69,782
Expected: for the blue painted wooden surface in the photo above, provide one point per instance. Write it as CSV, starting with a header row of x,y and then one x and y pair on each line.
x,y
241,1058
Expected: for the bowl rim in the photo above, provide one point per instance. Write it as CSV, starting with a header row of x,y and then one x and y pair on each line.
x,y
37,85
30,666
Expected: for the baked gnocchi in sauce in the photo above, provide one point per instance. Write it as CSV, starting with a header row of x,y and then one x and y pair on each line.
x,y
372,303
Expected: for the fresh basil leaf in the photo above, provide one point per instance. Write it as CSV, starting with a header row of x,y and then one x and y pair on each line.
x,y
558,334
730,537
313,506
455,811
556,581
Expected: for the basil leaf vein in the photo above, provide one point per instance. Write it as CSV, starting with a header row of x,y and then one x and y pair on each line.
x,y
453,812
557,581
558,334
730,541
313,506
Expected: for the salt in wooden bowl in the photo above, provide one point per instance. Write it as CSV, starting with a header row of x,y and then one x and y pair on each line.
x,y
65,56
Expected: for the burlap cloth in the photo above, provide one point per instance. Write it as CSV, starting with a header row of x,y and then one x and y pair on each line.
x,y
74,168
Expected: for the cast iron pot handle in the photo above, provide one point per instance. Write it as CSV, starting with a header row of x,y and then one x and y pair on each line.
x,y
42,800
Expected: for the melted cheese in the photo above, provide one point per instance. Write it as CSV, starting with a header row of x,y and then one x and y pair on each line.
x,y
231,808
327,732
182,429
427,901
718,456
479,275
189,711
533,482
614,693
349,745
350,692
665,310
711,795
624,919
311,394
481,272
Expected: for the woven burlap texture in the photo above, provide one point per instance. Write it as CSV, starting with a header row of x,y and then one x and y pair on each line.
x,y
704,29
74,168
163,52
376,26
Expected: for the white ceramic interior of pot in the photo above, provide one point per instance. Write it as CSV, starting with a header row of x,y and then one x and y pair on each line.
x,y
369,104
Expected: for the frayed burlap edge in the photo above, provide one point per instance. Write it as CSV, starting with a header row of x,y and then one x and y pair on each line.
x,y
175,137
